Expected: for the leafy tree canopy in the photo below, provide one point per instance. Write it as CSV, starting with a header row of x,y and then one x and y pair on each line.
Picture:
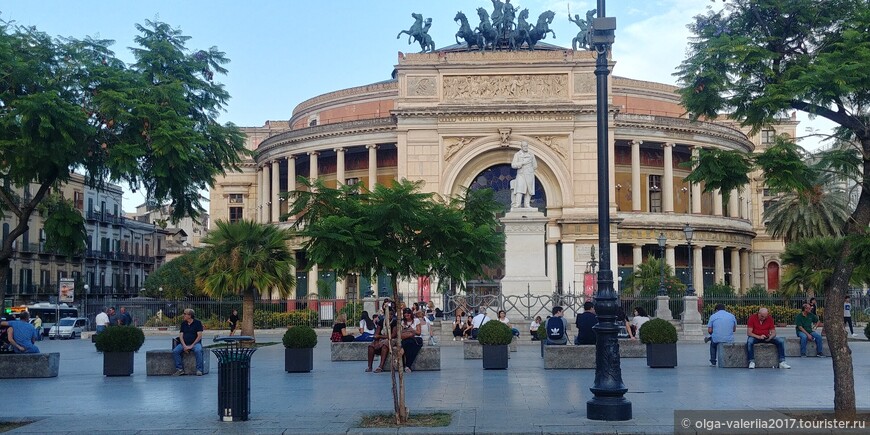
x,y
177,278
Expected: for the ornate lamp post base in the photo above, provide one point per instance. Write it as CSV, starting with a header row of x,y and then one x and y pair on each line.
x,y
608,409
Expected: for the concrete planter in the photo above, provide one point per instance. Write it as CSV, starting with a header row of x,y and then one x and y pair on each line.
x,y
495,356
298,360
661,355
117,363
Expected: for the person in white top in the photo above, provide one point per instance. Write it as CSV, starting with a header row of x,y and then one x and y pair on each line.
x,y
102,320
502,317
533,328
637,321
479,320
426,329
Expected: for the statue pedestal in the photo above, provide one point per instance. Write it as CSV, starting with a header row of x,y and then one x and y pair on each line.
x,y
369,305
663,311
693,328
525,254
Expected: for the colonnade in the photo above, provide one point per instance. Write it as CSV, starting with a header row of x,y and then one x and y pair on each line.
x,y
740,277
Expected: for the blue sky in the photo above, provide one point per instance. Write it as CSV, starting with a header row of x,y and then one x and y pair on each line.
x,y
284,52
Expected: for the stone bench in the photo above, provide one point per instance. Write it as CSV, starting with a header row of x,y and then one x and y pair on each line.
x,y
793,347
161,362
565,356
429,357
472,349
29,365
733,355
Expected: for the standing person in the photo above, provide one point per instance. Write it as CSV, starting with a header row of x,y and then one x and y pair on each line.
x,y
760,328
525,164
585,323
637,321
502,317
113,318
21,334
533,328
805,324
721,328
101,321
37,324
124,318
477,321
190,339
233,320
847,314
557,327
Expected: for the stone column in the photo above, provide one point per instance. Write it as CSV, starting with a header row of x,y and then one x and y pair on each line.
x,y
267,192
717,202
261,197
339,167
668,179
698,269
276,190
552,268
669,257
636,255
696,189
373,166
735,269
719,275
313,276
568,266
745,276
734,204
744,203
341,290
312,165
635,175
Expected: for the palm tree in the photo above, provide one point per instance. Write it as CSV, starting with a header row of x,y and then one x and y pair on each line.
x,y
646,279
810,264
243,257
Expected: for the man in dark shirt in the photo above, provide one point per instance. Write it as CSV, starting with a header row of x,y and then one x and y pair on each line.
x,y
190,336
124,319
585,322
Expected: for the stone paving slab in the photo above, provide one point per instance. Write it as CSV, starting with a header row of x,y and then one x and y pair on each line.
x,y
523,399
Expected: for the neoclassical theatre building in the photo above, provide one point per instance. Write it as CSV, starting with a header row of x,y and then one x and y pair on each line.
x,y
454,119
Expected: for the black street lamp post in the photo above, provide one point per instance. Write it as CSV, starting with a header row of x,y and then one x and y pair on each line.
x,y
690,232
662,241
609,403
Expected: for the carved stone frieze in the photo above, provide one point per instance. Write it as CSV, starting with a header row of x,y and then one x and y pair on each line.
x,y
421,86
506,87
554,143
453,144
523,229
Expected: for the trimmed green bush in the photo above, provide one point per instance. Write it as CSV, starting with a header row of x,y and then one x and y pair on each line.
x,y
494,333
266,319
120,339
658,331
300,337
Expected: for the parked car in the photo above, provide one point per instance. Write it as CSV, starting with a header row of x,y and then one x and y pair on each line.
x,y
68,327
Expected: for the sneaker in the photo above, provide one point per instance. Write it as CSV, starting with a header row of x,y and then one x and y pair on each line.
x,y
821,355
179,372
712,364
752,364
783,365
854,334
803,356
198,373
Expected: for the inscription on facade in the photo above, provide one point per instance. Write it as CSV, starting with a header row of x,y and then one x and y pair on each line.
x,y
504,118
506,87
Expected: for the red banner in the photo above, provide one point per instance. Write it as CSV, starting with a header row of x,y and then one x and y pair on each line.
x,y
423,288
588,284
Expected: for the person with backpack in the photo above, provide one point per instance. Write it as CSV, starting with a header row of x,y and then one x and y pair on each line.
x,y
557,327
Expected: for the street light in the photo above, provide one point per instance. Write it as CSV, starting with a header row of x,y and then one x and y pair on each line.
x,y
609,403
662,241
690,232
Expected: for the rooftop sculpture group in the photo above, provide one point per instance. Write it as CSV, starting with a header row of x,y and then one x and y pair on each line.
x,y
504,29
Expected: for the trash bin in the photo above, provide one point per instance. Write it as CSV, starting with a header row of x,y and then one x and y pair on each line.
x,y
234,378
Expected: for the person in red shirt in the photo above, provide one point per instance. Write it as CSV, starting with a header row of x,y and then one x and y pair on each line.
x,y
761,329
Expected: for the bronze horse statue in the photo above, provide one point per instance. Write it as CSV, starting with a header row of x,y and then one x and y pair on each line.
x,y
521,33
541,28
489,34
465,32
420,33
416,28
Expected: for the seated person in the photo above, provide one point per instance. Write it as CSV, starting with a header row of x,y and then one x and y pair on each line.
x,y
411,340
533,328
380,343
339,330
585,321
426,330
190,336
640,317
477,321
502,317
21,335
366,327
469,325
806,323
459,326
760,328
557,327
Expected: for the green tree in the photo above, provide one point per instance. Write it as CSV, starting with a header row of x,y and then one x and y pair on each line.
x,y
646,278
245,257
68,104
756,59
402,231
177,278
810,264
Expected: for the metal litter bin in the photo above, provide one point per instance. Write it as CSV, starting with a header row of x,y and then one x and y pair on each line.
x,y
234,378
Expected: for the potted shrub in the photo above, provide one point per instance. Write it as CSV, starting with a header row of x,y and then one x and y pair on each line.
x,y
660,337
117,343
299,342
495,337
